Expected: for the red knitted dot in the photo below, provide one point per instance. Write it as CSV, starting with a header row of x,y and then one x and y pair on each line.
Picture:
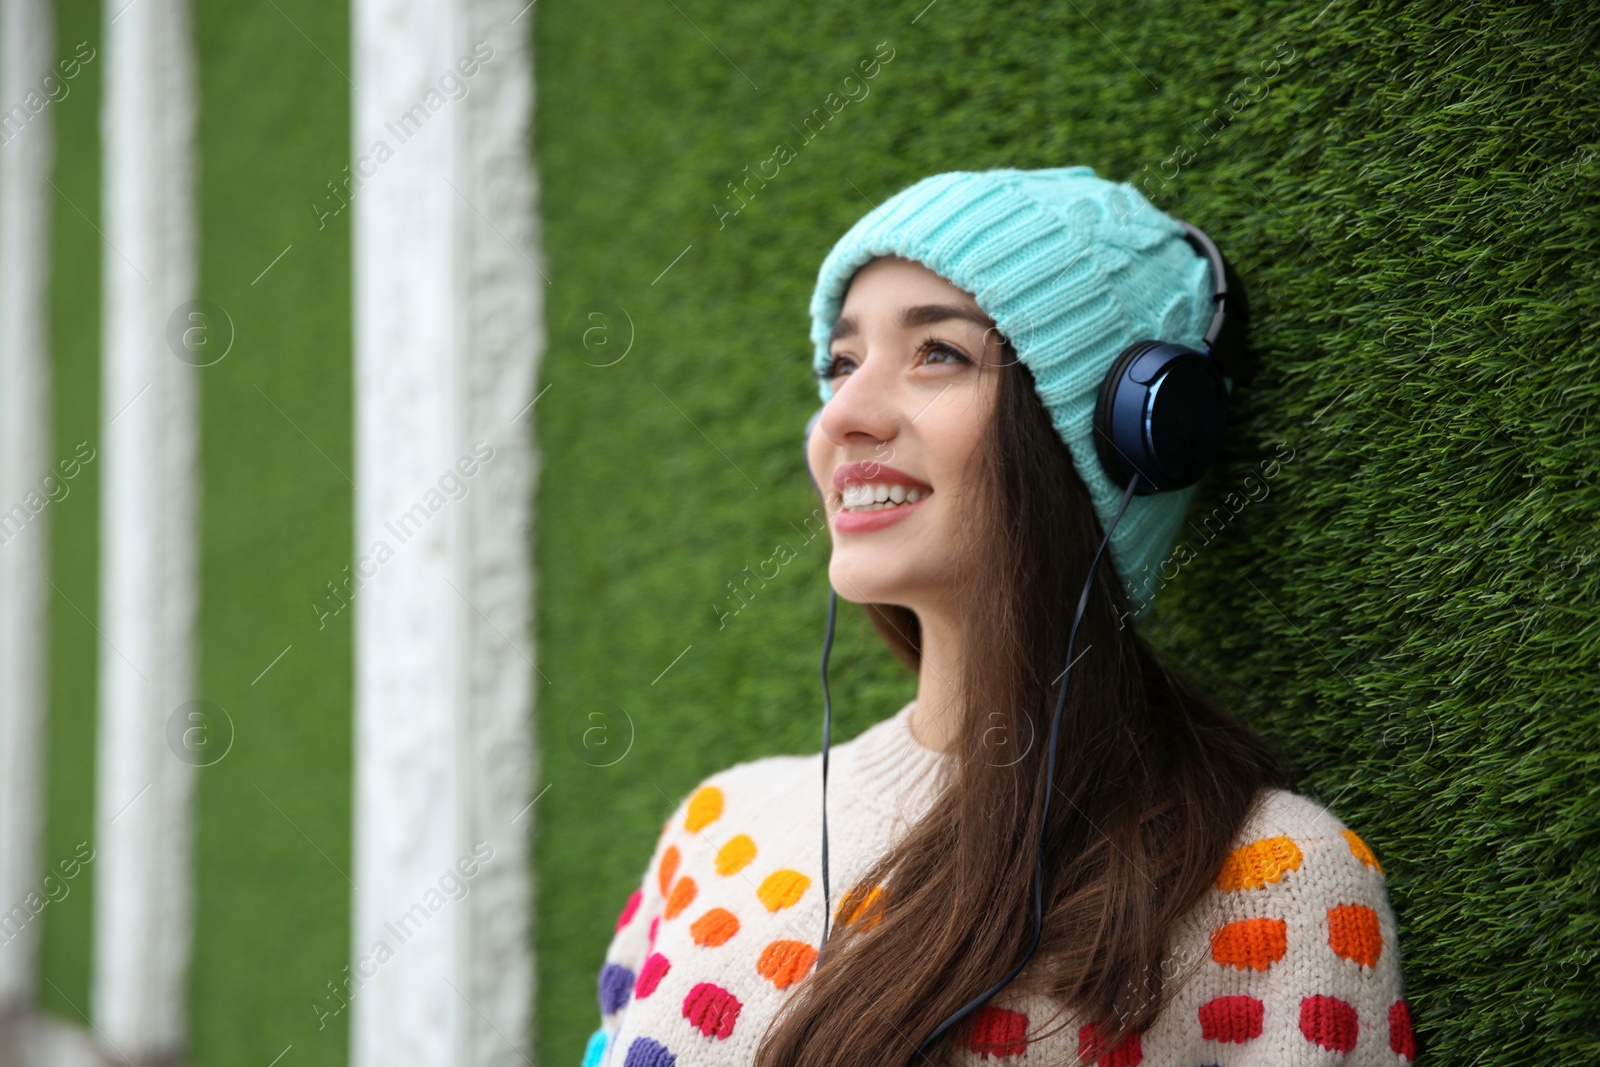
x,y
1402,1039
629,908
711,1009
1236,1018
998,1032
1092,1042
1329,1022
655,968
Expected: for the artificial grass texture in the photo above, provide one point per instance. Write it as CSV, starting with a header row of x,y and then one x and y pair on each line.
x,y
1410,612
73,605
273,856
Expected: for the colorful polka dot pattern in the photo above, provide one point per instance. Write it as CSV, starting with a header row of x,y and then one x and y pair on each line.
x,y
864,907
1233,1019
1330,1022
682,895
595,1050
1347,933
1129,1052
783,963
615,981
736,855
655,968
705,808
1353,933
1402,1041
782,889
712,1009
1253,943
997,1032
647,1053
1259,863
714,927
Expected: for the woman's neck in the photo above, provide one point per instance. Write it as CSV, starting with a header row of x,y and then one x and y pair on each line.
x,y
936,720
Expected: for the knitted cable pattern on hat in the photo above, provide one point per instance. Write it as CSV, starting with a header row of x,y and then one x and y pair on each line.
x,y
1073,269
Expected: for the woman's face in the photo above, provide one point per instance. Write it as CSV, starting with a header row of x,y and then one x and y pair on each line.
x,y
913,376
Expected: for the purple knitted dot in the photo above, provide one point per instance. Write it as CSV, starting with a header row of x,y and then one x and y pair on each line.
x,y
616,984
647,1053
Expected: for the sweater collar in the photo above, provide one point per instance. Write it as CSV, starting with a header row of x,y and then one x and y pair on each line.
x,y
887,763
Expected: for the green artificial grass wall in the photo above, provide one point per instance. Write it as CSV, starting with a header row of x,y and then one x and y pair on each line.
x,y
273,857
1408,191
73,607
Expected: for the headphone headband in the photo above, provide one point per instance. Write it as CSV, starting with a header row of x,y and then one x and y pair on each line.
x,y
1230,316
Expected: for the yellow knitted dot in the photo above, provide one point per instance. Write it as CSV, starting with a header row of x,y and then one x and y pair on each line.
x,y
732,857
1258,863
861,905
782,888
1360,850
705,808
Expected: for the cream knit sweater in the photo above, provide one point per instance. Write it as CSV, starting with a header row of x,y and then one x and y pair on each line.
x,y
1296,941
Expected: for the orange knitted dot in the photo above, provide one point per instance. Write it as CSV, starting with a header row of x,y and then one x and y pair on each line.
x,y
786,962
681,897
714,927
1353,933
1359,848
732,857
782,888
1253,943
1258,863
705,808
865,906
668,868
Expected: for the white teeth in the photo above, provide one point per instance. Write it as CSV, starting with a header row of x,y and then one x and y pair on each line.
x,y
863,497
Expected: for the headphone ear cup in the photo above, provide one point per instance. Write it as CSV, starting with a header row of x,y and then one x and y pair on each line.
x,y
1160,412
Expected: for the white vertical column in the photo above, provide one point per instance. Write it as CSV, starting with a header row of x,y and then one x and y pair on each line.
x,y
26,43
447,318
147,534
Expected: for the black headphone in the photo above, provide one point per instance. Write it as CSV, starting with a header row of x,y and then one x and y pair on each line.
x,y
1158,424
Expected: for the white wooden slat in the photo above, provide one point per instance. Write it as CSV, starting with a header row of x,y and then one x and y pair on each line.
x,y
447,318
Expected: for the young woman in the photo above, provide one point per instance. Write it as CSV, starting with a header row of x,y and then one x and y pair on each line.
x,y
1016,868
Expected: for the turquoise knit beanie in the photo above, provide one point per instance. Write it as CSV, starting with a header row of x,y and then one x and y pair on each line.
x,y
1072,268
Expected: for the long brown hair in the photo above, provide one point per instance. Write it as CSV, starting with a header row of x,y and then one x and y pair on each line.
x,y
1153,781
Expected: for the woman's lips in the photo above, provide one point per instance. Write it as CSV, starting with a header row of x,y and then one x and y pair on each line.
x,y
846,521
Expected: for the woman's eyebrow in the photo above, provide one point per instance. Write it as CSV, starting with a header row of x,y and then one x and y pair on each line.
x,y
928,314
917,315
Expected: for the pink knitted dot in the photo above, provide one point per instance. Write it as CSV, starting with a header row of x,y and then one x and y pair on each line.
x,y
655,968
654,923
711,1009
629,908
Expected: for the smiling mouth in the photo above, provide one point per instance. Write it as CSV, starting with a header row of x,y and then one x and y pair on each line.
x,y
861,498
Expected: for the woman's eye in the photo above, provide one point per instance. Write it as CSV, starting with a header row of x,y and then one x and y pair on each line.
x,y
838,365
943,353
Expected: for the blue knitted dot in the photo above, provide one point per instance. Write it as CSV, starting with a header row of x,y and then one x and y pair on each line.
x,y
647,1053
595,1050
616,985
